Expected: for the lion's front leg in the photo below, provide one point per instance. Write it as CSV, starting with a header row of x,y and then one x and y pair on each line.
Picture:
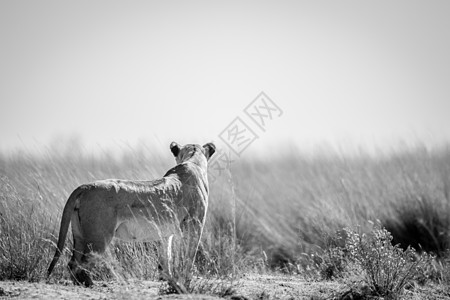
x,y
191,230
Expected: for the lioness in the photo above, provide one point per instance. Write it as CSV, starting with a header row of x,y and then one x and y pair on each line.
x,y
136,210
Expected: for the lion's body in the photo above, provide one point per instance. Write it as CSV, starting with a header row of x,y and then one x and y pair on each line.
x,y
131,209
136,210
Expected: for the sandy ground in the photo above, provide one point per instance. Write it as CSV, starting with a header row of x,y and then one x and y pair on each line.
x,y
261,287
249,287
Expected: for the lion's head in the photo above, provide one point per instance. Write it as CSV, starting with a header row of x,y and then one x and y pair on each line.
x,y
186,152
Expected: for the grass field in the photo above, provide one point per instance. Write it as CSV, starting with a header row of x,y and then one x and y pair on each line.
x,y
267,215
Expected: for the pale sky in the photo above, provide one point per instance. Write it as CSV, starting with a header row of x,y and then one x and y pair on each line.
x,y
108,72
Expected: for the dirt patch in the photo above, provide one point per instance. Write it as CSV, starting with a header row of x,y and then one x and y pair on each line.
x,y
285,287
260,287
248,287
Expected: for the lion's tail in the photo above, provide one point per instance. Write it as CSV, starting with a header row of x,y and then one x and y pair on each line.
x,y
69,209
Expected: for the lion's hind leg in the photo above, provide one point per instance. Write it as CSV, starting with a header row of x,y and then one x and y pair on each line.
x,y
78,263
83,259
91,236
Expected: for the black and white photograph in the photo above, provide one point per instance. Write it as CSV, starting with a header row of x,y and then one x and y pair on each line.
x,y
241,150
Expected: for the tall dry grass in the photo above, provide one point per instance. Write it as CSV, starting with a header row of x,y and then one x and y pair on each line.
x,y
265,212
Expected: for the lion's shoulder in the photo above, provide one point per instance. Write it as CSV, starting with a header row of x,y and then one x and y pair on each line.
x,y
185,172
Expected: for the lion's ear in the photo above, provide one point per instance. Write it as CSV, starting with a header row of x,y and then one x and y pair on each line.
x,y
175,148
209,149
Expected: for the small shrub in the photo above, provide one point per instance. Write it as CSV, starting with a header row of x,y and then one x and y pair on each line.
x,y
333,263
329,262
387,268
327,265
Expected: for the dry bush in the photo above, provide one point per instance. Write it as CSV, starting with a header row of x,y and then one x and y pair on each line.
x,y
387,268
24,235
